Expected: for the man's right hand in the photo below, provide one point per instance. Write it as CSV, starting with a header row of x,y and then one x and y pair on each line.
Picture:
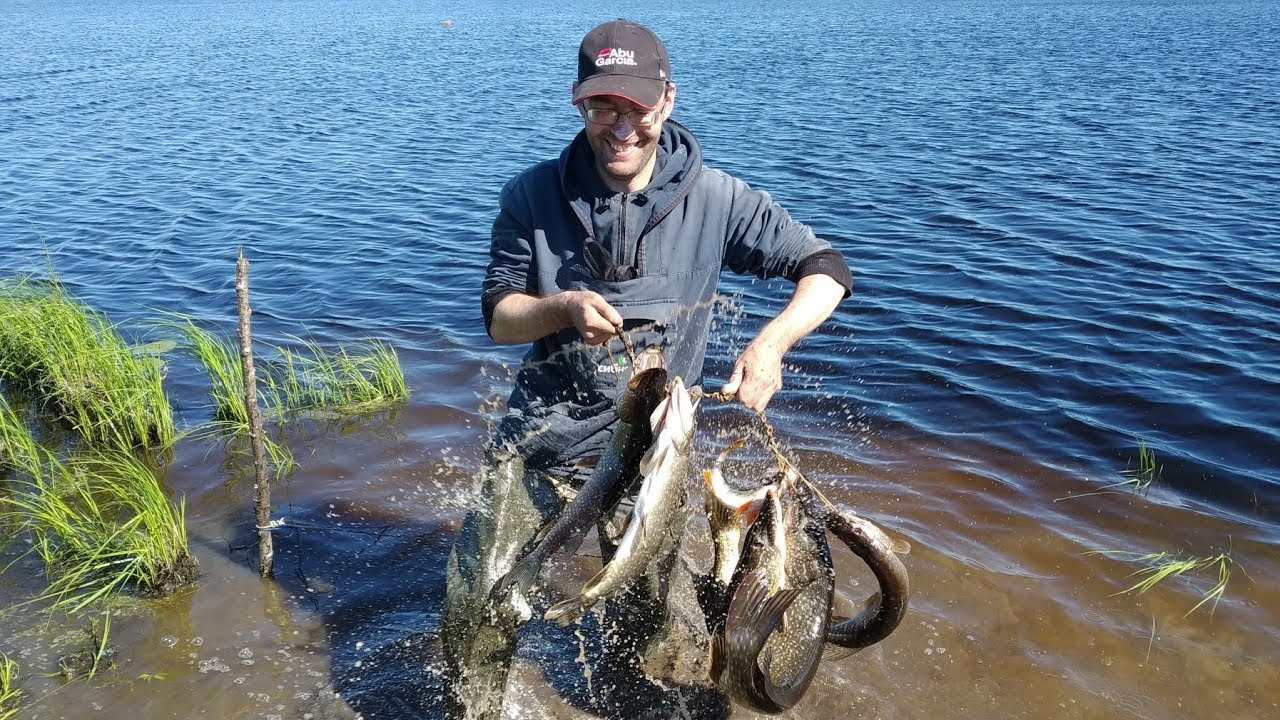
x,y
591,314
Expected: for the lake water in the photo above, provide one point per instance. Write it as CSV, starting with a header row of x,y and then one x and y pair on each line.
x,y
1061,218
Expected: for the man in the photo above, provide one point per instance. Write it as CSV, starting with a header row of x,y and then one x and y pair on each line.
x,y
625,230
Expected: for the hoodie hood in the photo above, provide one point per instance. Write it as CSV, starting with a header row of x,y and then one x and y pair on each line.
x,y
679,160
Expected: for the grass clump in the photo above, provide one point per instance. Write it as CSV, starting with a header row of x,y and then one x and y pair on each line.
x,y
1138,479
1146,473
84,370
338,382
9,693
309,380
221,359
1161,566
306,382
99,522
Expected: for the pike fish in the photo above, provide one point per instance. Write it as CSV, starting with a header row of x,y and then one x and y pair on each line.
x,y
727,507
613,475
886,608
776,623
657,509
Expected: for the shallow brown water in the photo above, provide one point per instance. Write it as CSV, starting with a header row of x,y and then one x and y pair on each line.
x,y
1009,615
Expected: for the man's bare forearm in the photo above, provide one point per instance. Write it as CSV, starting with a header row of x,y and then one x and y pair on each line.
x,y
812,302
522,318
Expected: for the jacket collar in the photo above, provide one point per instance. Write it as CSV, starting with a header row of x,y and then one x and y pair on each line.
x,y
677,167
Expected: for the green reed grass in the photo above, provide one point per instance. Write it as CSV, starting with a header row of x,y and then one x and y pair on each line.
x,y
314,380
81,366
220,356
1146,473
100,523
9,693
10,696
1161,566
221,359
1138,479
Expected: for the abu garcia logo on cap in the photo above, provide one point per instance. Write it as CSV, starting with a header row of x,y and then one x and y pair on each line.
x,y
615,56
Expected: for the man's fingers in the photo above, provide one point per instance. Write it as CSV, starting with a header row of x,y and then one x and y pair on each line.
x,y
734,381
606,311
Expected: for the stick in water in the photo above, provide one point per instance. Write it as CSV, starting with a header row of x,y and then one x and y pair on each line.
x,y
261,487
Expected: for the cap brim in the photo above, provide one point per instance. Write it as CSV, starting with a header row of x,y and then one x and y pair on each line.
x,y
645,92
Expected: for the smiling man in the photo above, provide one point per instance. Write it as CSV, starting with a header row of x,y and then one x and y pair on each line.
x,y
625,230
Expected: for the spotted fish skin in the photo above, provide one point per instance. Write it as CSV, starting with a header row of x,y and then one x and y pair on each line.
x,y
883,615
614,474
658,511
776,624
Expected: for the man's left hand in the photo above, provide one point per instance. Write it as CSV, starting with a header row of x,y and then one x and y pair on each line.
x,y
757,375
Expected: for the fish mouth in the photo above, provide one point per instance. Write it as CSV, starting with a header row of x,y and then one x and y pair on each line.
x,y
674,416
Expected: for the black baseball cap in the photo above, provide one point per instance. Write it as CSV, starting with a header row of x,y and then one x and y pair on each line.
x,y
624,59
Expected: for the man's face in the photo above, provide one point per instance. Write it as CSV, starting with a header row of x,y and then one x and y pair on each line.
x,y
624,137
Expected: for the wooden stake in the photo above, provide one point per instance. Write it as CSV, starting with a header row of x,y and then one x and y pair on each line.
x,y
261,486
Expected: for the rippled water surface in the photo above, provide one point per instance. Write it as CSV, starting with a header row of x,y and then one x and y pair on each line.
x,y
1062,221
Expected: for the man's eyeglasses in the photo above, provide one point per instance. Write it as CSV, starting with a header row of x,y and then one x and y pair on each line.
x,y
609,116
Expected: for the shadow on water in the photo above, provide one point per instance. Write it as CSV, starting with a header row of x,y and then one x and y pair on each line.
x,y
376,580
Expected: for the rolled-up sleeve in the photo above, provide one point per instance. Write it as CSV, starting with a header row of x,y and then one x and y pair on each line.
x,y
764,240
510,256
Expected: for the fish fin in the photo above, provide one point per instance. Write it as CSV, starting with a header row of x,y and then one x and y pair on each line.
x,y
587,463
596,579
565,612
753,607
520,577
778,603
835,652
843,606
751,509
653,457
900,547
719,514
716,657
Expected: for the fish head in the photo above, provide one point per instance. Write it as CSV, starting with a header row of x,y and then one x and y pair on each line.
x,y
650,358
766,518
675,415
645,388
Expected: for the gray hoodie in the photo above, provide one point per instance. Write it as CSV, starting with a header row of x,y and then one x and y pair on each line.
x,y
655,255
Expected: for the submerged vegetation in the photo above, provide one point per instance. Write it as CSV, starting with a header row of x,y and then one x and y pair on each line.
x,y
87,375
1160,566
297,383
322,382
1138,479
1146,473
94,657
310,381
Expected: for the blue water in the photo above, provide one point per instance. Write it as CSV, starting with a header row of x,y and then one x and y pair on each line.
x,y
1061,216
